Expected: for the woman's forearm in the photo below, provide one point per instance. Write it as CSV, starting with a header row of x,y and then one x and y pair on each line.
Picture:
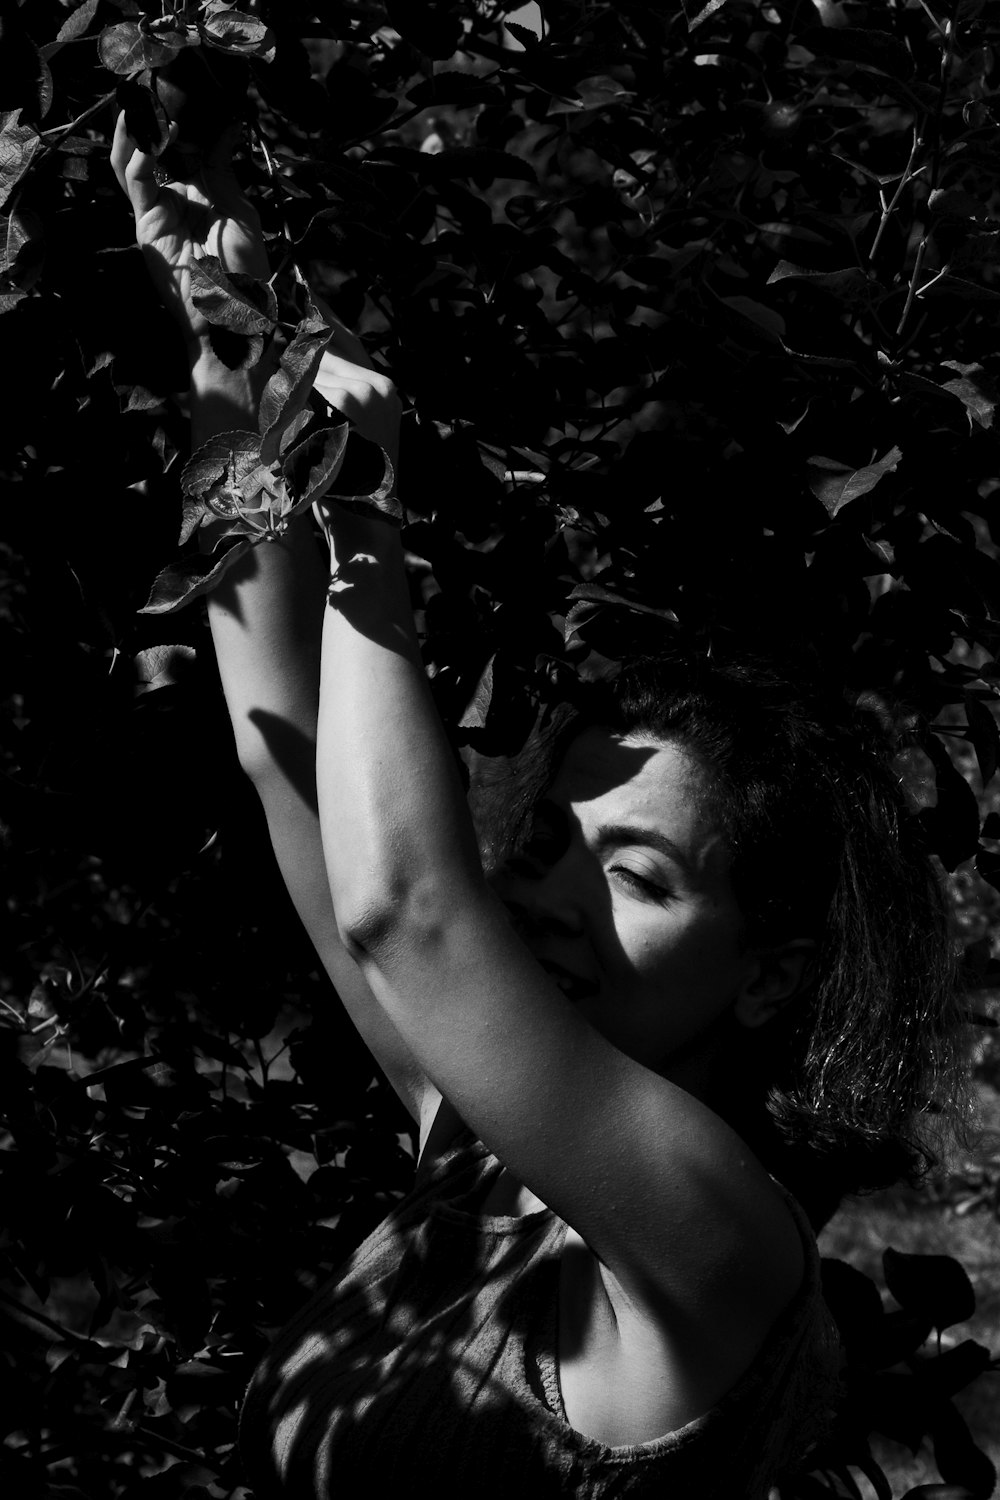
x,y
266,618
266,612
396,829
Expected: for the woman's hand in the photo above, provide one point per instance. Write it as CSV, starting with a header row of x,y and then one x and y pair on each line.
x,y
179,222
347,381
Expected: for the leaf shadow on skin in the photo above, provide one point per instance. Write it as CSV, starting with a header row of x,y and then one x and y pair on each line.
x,y
293,752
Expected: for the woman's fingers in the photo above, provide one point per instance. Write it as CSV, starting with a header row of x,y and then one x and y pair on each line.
x,y
134,170
365,398
352,397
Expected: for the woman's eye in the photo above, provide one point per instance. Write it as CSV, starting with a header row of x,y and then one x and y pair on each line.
x,y
546,842
641,884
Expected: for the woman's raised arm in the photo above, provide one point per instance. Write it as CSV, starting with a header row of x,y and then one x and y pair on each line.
x,y
662,1191
266,614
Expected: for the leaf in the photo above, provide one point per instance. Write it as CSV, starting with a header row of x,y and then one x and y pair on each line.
x,y
869,48
295,428
18,231
850,285
853,1300
959,1460
241,303
179,583
220,480
958,286
18,144
367,481
956,1368
935,1285
160,666
951,826
956,203
125,48
770,322
289,388
827,361
232,31
478,707
74,26
975,389
238,450
838,489
988,866
875,1475
310,469
522,34
695,11
984,736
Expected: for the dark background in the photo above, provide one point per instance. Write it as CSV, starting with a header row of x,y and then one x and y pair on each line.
x,y
694,318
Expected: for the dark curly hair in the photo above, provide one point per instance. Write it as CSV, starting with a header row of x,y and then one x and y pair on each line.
x,y
862,1069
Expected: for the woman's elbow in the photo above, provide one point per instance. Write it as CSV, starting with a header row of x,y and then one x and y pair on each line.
x,y
382,926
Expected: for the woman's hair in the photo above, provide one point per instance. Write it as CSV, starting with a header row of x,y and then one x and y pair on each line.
x,y
866,1059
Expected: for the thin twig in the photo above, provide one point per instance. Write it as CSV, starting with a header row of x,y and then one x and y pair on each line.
x,y
62,131
888,208
273,175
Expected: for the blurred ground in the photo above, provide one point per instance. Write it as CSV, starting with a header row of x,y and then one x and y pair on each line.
x,y
911,1221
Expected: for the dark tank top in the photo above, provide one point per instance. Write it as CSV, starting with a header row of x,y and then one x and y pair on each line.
x,y
428,1367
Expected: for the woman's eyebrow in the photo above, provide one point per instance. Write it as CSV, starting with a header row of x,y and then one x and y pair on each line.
x,y
652,838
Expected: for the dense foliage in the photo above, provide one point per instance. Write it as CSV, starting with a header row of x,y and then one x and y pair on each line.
x,y
693,310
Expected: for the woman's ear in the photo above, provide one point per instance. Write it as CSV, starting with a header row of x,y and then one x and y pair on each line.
x,y
781,973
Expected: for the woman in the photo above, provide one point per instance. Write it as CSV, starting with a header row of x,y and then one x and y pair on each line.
x,y
703,973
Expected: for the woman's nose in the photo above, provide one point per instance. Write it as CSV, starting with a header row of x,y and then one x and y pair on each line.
x,y
543,898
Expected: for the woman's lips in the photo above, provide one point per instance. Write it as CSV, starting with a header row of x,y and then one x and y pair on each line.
x,y
572,985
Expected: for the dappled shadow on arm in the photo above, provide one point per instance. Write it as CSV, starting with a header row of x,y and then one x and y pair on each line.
x,y
293,752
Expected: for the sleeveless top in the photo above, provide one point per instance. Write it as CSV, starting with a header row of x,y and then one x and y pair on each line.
x,y
428,1367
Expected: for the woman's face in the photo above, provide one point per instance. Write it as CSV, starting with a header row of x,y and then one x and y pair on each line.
x,y
623,894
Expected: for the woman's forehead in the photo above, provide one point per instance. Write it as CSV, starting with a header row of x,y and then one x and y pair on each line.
x,y
635,787
636,771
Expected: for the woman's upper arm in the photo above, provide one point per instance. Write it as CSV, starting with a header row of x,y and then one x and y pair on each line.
x,y
660,1188
295,837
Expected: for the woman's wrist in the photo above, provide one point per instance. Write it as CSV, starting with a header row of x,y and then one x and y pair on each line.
x,y
222,400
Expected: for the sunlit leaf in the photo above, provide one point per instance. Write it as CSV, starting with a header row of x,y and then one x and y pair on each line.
x,y
234,454
697,11
477,709
160,666
232,31
125,48
181,582
240,303
75,25
290,387
18,144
